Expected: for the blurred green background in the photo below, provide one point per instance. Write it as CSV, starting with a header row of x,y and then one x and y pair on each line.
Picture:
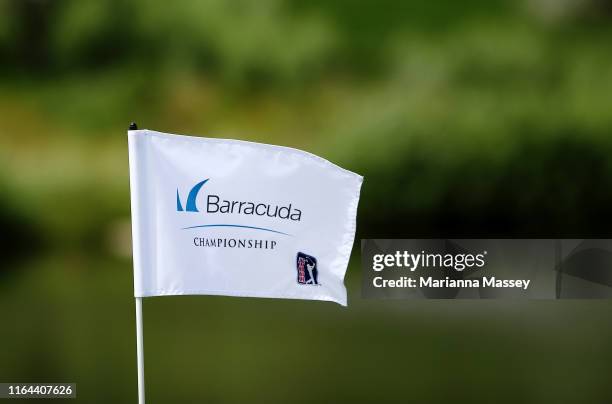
x,y
473,118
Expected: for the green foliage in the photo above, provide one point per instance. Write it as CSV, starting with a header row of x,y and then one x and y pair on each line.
x,y
242,43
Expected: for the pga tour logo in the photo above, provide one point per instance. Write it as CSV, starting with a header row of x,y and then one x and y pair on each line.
x,y
307,272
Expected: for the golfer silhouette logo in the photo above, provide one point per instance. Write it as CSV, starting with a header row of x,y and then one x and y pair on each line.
x,y
307,272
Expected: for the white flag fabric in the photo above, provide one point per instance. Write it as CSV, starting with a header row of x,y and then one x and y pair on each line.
x,y
235,218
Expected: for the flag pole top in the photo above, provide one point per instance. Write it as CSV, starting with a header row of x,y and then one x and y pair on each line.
x,y
133,126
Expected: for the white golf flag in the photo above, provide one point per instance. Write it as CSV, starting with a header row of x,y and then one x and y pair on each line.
x,y
236,218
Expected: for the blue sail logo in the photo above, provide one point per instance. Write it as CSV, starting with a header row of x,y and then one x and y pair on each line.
x,y
191,198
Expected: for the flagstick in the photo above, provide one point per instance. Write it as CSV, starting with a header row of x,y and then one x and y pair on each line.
x,y
139,339
140,351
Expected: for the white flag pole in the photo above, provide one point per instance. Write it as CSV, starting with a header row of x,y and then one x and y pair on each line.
x,y
139,334
140,351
